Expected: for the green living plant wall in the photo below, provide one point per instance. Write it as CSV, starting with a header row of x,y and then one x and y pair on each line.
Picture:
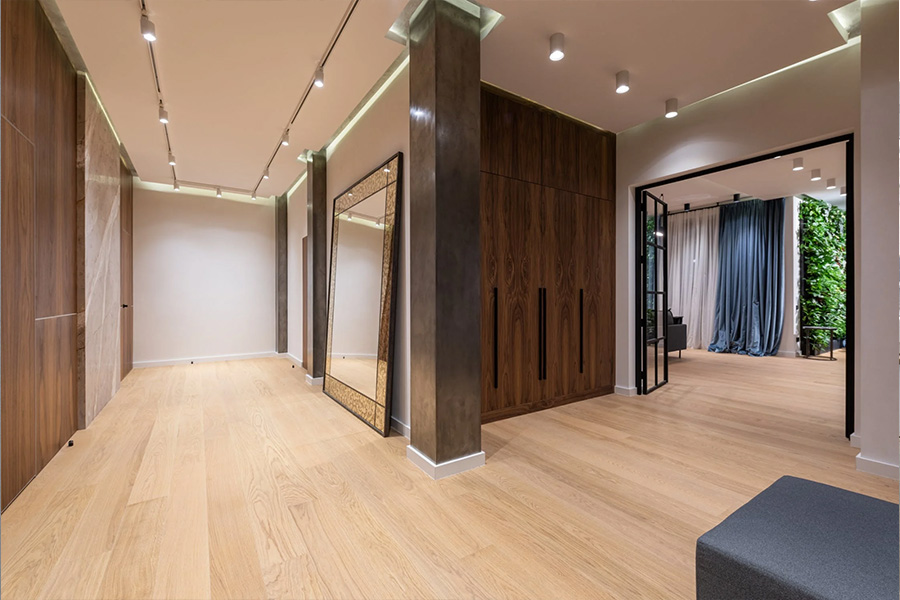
x,y
823,260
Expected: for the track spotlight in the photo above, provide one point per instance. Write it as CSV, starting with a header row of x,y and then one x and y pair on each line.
x,y
798,164
171,159
557,47
815,175
319,79
622,85
163,114
176,187
736,198
148,29
253,196
830,184
266,173
286,138
671,108
218,192
687,207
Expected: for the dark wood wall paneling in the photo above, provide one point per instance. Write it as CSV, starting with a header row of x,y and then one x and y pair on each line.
x,y
38,103
548,222
126,223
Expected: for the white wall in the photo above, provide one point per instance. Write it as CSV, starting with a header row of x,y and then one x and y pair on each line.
x,y
357,297
877,280
379,134
204,277
296,231
812,101
789,345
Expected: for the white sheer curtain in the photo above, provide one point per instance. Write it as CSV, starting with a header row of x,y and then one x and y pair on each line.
x,y
694,271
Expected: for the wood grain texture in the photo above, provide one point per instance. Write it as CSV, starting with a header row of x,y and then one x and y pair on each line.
x,y
267,488
19,452
510,138
560,139
18,72
54,385
55,147
126,265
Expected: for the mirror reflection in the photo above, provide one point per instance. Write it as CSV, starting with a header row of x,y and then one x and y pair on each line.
x,y
357,294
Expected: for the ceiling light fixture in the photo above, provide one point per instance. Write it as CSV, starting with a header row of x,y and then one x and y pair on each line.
x,y
815,175
148,29
830,184
557,47
843,190
286,138
163,114
777,157
319,79
253,196
671,108
266,173
218,192
798,164
387,169
171,159
176,187
622,85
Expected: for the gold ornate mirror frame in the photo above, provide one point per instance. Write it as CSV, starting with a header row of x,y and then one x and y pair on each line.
x,y
376,412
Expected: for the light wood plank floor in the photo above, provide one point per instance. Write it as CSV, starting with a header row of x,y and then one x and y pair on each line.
x,y
234,480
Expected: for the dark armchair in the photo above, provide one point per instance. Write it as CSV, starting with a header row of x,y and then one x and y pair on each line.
x,y
677,336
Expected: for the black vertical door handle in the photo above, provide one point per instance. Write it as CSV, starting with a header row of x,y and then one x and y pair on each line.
x,y
496,328
540,332
581,330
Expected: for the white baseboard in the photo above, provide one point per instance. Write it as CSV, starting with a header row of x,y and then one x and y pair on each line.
x,y
314,381
855,441
625,391
201,359
876,467
292,358
351,355
400,427
788,353
444,469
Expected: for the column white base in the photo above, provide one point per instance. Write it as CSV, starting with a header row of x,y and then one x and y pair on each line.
x,y
876,467
444,469
315,381
625,391
855,441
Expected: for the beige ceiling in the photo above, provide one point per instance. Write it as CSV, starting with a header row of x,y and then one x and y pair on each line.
x,y
233,71
768,179
684,49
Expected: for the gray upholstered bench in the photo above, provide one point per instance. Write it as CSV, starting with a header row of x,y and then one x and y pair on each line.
x,y
801,540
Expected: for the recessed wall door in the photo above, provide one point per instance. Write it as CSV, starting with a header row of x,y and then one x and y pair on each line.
x,y
126,211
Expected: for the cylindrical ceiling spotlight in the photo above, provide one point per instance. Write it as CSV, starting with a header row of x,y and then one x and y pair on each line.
x,y
671,108
286,138
830,184
843,190
319,79
253,196
171,159
557,47
798,164
176,187
163,114
622,84
218,192
815,175
148,29
266,173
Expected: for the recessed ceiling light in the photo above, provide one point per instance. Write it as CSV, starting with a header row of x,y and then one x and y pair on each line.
x,y
815,175
218,192
622,84
830,184
319,79
171,159
798,164
148,29
163,114
557,47
286,138
671,108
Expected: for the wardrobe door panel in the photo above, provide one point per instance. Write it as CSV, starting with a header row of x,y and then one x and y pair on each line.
x,y
55,384
510,138
590,162
606,291
560,249
19,451
560,152
489,296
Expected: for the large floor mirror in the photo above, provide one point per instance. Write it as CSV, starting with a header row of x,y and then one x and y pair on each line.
x,y
362,292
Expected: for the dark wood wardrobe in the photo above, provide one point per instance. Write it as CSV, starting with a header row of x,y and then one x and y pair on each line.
x,y
548,257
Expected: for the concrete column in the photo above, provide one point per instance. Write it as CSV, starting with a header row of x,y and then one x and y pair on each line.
x,y
877,210
281,294
445,256
316,268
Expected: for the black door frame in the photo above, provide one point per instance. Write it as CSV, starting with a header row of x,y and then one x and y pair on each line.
x,y
848,140
659,245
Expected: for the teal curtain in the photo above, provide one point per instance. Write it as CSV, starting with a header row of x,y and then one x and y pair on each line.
x,y
750,292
